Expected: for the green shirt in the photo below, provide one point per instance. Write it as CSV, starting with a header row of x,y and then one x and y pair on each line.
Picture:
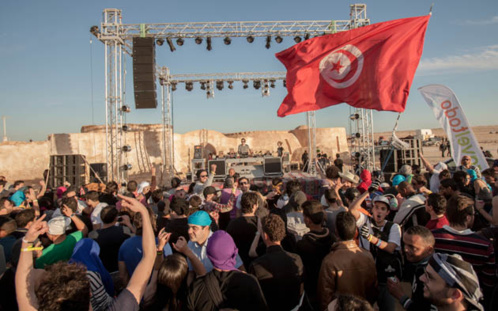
x,y
58,252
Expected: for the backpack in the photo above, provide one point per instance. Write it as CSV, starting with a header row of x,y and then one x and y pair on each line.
x,y
387,264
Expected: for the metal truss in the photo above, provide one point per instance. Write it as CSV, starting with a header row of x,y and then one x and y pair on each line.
x,y
118,37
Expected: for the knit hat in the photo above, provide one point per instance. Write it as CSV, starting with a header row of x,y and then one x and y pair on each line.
x,y
221,250
57,226
459,274
199,218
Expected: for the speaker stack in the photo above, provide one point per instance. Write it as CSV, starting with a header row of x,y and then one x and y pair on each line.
x,y
273,166
144,82
399,158
70,168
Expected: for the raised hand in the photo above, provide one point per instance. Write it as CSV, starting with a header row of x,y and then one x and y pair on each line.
x,y
163,238
132,204
38,228
181,245
365,231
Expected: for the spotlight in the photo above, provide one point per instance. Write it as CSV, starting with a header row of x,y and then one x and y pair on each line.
x,y
94,30
208,42
203,85
266,89
256,84
179,41
219,85
189,86
356,135
278,39
125,108
126,148
306,36
284,83
268,42
230,85
357,155
250,39
198,40
210,94
354,116
170,43
173,86
297,39
126,167
227,40
125,128
245,84
160,42
210,91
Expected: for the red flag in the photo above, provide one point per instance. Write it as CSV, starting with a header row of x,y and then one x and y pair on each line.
x,y
369,67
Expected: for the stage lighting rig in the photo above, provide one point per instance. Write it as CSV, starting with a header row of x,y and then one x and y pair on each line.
x,y
189,86
170,44
198,40
278,39
160,42
297,39
354,116
245,86
268,42
219,85
306,36
284,83
250,39
227,40
125,128
173,86
208,44
126,167
125,108
256,84
266,89
230,85
179,41
126,148
272,84
203,85
95,30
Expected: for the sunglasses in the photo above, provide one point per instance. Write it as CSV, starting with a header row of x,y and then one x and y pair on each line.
x,y
204,176
244,183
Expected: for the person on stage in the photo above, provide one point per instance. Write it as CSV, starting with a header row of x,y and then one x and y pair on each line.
x,y
244,149
280,149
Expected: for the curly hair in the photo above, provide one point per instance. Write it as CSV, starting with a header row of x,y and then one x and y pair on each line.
x,y
64,286
274,227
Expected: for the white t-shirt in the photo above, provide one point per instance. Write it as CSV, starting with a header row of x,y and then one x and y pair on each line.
x,y
95,217
394,234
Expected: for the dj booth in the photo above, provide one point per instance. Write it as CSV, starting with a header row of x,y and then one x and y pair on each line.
x,y
250,167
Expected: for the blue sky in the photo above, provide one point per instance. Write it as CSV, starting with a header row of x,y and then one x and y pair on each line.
x,y
47,60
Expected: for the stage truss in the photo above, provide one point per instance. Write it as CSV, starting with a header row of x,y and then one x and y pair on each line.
x,y
118,37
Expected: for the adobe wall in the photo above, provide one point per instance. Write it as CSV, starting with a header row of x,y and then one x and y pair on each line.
x,y
19,160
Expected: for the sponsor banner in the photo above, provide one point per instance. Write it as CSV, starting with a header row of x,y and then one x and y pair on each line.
x,y
450,115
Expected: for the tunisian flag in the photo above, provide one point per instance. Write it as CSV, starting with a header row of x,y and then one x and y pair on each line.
x,y
370,67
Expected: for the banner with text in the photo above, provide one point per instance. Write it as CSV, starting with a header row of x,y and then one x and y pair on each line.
x,y
450,115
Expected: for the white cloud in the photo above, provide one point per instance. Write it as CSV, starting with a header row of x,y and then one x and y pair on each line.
x,y
492,20
484,59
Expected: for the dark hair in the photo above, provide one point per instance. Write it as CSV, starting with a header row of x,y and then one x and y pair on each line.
x,y
248,200
195,201
92,195
437,202
71,203
179,206
24,217
157,195
199,172
351,194
191,188
242,178
108,214
460,177
332,172
313,209
422,232
2,183
458,208
352,303
132,186
18,182
175,182
330,196
419,179
292,186
137,221
448,183
345,225
444,174
64,287
274,227
111,187
171,279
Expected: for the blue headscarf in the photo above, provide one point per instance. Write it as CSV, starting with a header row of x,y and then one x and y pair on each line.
x,y
473,175
86,252
18,197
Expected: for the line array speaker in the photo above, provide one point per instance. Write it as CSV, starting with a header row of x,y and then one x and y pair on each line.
x,y
144,82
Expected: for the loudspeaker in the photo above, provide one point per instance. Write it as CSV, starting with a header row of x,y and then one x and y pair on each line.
x,y
100,169
70,168
220,167
390,166
144,82
197,152
273,166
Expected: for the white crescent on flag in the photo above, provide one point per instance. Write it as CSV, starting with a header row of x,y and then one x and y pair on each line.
x,y
337,65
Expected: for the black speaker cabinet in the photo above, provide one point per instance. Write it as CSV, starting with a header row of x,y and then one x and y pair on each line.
x,y
220,167
71,168
273,166
144,82
100,169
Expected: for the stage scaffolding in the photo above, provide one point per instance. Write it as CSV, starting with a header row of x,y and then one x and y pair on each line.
x,y
118,40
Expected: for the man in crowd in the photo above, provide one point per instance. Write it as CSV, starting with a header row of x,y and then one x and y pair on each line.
x,y
418,246
412,210
203,180
279,273
244,186
348,269
94,208
466,164
450,283
436,207
243,150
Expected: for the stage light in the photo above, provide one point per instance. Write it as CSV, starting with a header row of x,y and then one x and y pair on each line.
x,y
210,94
189,86
354,116
284,83
256,84
245,84
94,30
230,85
126,167
170,43
160,42
266,89
125,108
250,39
198,40
356,135
306,36
268,42
173,86
126,148
179,41
208,44
219,85
272,84
227,40
278,39
125,128
203,85
297,39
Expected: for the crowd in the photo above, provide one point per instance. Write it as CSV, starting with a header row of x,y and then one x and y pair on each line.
x,y
418,241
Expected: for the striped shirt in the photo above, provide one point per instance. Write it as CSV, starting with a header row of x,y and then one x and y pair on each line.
x,y
474,248
99,299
